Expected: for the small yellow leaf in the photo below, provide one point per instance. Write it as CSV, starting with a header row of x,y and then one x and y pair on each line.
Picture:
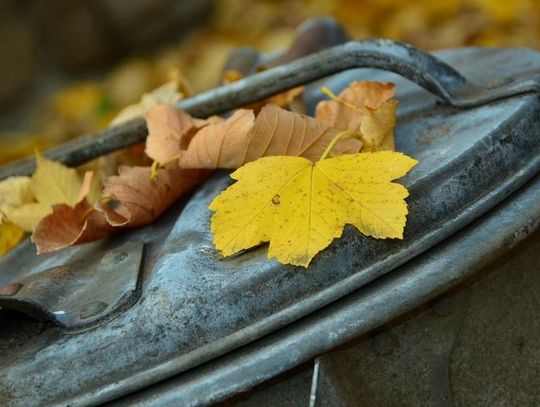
x,y
14,192
28,215
32,198
10,236
300,206
54,183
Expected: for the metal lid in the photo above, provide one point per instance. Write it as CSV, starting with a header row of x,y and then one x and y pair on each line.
x,y
195,306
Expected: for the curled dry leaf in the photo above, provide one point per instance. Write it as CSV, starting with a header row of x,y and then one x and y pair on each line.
x,y
275,131
133,199
365,108
169,131
219,144
69,225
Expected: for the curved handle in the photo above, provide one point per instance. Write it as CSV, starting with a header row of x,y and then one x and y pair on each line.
x,y
420,67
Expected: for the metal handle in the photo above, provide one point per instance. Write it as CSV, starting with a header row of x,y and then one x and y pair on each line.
x,y
422,68
405,60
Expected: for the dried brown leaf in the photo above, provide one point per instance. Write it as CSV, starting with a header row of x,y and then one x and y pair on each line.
x,y
67,226
133,199
219,144
275,131
365,108
169,131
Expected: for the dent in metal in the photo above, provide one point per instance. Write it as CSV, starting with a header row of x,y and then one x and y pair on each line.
x,y
78,294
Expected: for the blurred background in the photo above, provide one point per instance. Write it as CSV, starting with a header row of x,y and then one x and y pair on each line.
x,y
68,66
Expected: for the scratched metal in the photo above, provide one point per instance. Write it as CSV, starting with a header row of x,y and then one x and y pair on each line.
x,y
196,306
415,283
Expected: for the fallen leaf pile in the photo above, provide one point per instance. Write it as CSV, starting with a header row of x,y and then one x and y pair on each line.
x,y
287,193
24,201
243,138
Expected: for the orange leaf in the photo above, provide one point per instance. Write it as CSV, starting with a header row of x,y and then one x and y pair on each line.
x,y
275,131
133,199
67,226
365,108
169,131
218,145
86,185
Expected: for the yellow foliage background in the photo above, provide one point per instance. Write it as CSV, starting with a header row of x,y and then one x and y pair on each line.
x,y
269,25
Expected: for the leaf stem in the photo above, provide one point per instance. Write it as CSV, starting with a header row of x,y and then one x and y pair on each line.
x,y
339,136
326,90
154,171
156,165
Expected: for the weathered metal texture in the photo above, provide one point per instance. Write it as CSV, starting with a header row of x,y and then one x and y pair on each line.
x,y
413,284
474,346
196,306
80,293
421,68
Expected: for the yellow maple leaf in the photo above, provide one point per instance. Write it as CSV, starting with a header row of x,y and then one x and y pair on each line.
x,y
10,236
51,184
300,206
54,183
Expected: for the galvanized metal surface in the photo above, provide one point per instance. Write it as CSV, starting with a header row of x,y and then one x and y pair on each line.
x,y
395,294
77,294
476,345
195,306
455,88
